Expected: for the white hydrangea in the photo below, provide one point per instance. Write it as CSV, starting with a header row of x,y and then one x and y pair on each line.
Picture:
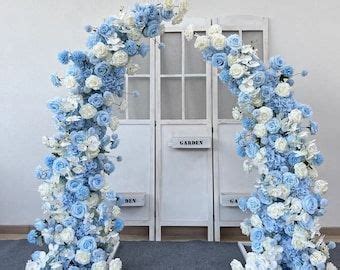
x,y
280,191
317,258
115,211
237,114
189,32
93,82
256,221
101,265
296,205
282,89
300,238
114,123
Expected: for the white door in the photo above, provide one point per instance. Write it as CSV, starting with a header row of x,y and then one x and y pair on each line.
x,y
230,181
184,184
134,176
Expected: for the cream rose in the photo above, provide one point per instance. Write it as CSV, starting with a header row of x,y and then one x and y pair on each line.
x,y
202,42
82,257
100,50
281,145
236,71
260,130
120,58
232,59
218,41
295,116
67,235
264,114
320,186
256,221
283,89
115,264
93,82
214,29
276,210
87,111
70,82
301,170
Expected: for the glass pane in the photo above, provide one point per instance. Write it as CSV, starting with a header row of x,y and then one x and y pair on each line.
x,y
115,108
226,102
195,98
171,55
143,62
139,106
171,98
254,38
193,58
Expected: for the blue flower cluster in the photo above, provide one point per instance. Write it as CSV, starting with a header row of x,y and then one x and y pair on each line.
x,y
82,213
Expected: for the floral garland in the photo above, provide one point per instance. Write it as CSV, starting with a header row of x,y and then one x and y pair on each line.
x,y
276,140
82,221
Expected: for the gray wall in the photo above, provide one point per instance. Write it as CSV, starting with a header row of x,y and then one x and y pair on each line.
x,y
32,32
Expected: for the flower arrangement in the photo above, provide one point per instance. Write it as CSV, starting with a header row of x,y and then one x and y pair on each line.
x,y
276,140
82,223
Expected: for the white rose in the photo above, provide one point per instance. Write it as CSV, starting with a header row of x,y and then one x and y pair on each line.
x,y
67,235
281,145
236,71
82,257
189,32
201,42
92,200
232,59
295,116
312,150
100,50
320,186
256,221
120,58
265,114
93,82
283,89
115,264
214,29
101,265
245,228
114,123
92,143
218,41
247,85
296,205
30,265
70,82
236,265
260,130
280,191
257,101
301,170
237,114
115,211
87,111
276,210
317,258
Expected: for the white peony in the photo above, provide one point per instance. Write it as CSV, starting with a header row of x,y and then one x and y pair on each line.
x,y
202,42
120,58
301,170
320,186
276,210
264,114
115,264
87,111
283,89
70,82
281,144
295,116
247,86
256,221
82,257
214,29
218,41
237,114
317,258
236,71
67,235
101,265
236,265
260,130
93,82
189,32
100,50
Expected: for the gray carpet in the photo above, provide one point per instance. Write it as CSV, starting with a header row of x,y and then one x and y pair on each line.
x,y
196,255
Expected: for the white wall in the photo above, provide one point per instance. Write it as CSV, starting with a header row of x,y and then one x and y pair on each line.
x,y
33,32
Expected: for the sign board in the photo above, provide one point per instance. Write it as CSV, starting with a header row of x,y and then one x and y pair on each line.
x,y
190,142
133,199
231,199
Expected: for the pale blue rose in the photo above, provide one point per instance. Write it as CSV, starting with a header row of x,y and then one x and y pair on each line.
x,y
87,243
218,60
310,204
78,209
277,62
253,204
257,235
60,166
96,182
234,42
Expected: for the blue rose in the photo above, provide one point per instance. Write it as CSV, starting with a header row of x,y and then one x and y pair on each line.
x,y
218,60
96,100
257,235
55,80
82,193
234,42
310,204
96,182
60,166
167,14
32,237
273,126
252,149
98,255
143,49
152,29
318,159
140,19
277,62
259,78
131,47
109,167
101,69
248,123
48,160
287,71
78,137
257,247
306,110
290,180
208,53
105,30
253,204
153,13
40,224
54,105
78,209
314,128
293,159
103,118
119,225
267,92
87,243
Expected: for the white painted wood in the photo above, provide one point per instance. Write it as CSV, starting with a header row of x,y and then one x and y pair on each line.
x,y
183,177
228,169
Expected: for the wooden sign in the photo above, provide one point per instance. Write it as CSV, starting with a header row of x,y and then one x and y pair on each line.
x,y
231,199
190,142
133,199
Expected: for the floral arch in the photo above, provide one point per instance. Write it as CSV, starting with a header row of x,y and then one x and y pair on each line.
x,y
82,222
